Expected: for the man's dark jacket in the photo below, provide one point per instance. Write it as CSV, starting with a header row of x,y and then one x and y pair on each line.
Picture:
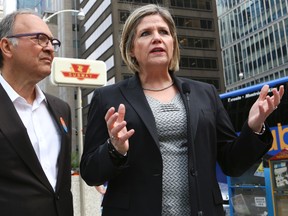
x,y
24,187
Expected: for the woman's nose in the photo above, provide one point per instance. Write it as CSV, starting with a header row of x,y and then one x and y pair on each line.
x,y
157,37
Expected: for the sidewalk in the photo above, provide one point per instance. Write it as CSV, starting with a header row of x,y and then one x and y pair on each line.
x,y
92,198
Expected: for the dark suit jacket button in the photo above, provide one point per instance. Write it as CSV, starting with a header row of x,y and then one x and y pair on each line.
x,y
57,197
156,172
193,172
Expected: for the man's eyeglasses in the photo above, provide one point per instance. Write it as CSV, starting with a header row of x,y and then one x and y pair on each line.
x,y
43,39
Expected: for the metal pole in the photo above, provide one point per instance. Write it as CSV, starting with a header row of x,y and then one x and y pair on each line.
x,y
47,19
80,146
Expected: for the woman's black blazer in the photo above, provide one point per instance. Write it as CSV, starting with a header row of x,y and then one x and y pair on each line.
x,y
135,188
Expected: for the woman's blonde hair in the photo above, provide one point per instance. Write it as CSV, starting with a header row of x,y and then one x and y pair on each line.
x,y
129,29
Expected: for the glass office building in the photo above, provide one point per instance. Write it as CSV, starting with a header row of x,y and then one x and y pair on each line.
x,y
253,38
38,5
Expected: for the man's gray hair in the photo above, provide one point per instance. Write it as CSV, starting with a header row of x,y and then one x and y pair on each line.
x,y
7,27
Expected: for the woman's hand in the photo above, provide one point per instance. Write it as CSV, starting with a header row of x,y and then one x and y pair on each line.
x,y
117,130
263,107
101,189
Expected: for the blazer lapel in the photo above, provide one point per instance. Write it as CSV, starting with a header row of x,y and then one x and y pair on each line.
x,y
133,92
16,133
56,113
194,109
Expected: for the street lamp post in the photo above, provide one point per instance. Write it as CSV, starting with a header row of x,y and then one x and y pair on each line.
x,y
241,75
80,16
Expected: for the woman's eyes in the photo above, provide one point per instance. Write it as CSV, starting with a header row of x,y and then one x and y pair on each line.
x,y
162,32
144,33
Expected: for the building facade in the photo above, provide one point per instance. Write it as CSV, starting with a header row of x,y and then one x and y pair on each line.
x,y
1,9
253,40
197,29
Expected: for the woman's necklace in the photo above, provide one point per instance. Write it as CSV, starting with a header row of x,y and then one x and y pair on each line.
x,y
162,89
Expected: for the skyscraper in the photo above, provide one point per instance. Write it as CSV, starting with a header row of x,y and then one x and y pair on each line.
x,y
254,41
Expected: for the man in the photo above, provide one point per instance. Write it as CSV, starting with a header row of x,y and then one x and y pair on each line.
x,y
35,138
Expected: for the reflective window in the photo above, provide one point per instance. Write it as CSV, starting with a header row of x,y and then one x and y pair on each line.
x,y
123,16
195,4
193,23
142,1
198,63
49,5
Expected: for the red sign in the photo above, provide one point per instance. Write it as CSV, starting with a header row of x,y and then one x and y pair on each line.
x,y
78,72
81,72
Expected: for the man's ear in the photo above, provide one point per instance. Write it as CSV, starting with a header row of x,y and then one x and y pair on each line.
x,y
5,46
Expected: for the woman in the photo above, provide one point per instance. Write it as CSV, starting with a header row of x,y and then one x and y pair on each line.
x,y
155,138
